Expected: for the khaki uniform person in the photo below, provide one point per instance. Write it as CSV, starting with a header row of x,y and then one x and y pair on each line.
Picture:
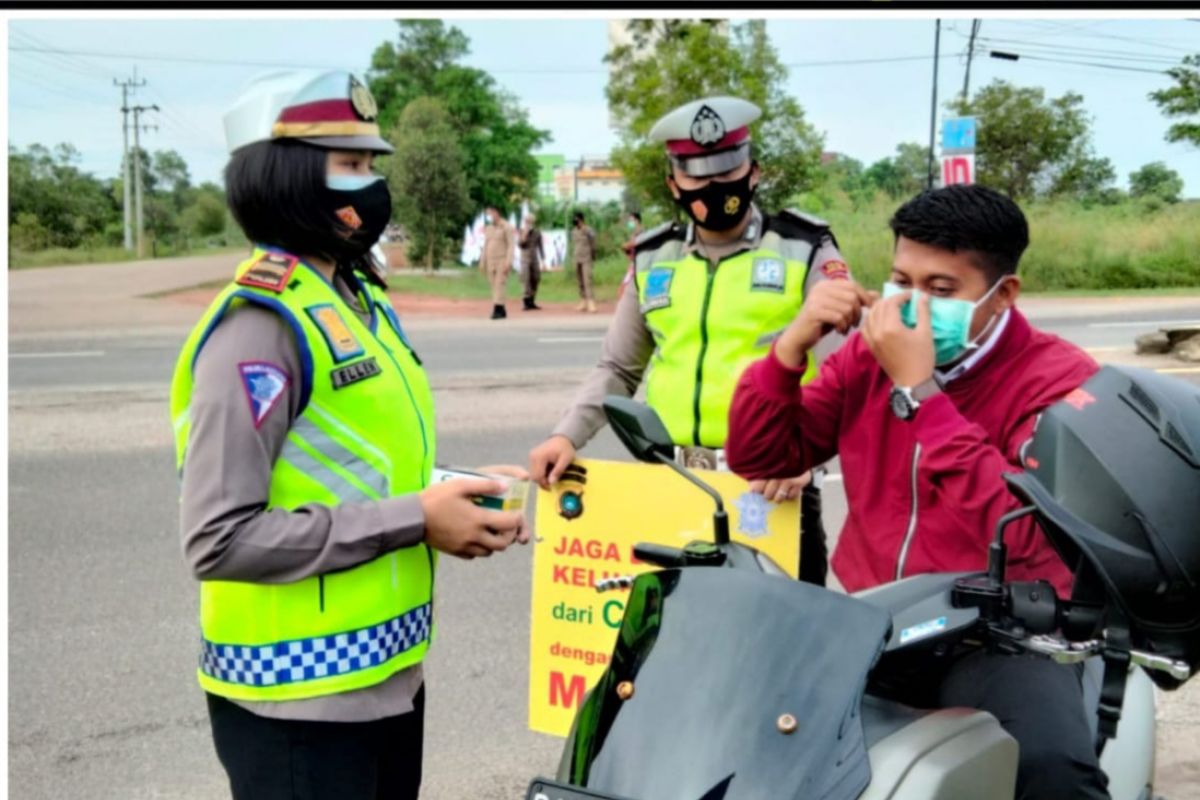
x,y
583,249
706,301
530,243
499,241
304,432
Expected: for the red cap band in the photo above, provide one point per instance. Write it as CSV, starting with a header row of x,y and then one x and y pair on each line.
x,y
339,110
686,147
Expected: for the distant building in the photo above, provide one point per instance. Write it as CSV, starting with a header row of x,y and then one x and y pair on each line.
x,y
548,164
590,180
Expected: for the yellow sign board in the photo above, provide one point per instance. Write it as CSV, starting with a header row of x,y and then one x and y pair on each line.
x,y
585,529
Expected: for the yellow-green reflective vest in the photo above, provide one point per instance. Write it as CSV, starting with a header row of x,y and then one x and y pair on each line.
x,y
709,324
365,432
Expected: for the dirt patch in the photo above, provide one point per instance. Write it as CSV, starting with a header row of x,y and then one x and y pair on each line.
x,y
424,305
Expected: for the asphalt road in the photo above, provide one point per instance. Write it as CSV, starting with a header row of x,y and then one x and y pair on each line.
x,y
120,360
102,613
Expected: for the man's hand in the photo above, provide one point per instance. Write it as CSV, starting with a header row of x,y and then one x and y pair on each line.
x,y
780,489
905,354
455,525
832,305
549,460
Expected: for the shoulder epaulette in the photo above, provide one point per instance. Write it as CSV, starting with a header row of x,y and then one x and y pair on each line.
x,y
656,237
791,223
272,271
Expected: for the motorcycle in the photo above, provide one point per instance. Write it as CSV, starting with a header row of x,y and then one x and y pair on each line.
x,y
731,681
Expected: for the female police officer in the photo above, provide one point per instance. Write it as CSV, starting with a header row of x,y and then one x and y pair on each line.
x,y
305,441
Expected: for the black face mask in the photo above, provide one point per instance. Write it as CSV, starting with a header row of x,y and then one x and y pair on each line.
x,y
725,204
359,217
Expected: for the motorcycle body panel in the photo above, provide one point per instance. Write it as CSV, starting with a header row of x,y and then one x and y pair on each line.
x,y
728,684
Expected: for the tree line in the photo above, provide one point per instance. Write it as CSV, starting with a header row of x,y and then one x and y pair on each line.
x,y
53,203
463,143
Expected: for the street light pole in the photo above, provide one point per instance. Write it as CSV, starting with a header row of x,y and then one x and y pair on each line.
x,y
937,40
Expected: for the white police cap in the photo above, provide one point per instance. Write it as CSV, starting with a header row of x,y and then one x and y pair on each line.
x,y
707,136
329,108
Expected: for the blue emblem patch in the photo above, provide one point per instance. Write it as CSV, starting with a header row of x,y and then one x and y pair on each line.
x,y
753,509
264,384
768,274
657,293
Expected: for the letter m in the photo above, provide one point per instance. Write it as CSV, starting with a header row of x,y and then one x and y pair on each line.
x,y
564,695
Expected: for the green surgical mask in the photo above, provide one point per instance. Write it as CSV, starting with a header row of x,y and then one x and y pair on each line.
x,y
949,318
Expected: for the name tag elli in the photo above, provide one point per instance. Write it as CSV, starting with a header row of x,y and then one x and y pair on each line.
x,y
353,373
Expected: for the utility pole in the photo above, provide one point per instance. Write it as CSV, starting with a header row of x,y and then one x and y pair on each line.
x,y
970,54
137,174
937,39
127,207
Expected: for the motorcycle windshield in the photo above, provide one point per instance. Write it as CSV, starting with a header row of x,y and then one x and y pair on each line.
x,y
736,685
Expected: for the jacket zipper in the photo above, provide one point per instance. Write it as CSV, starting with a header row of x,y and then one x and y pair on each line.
x,y
912,520
712,273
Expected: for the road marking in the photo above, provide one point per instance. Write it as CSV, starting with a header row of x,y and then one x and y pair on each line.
x,y
832,479
569,339
1178,369
1103,349
1147,324
71,354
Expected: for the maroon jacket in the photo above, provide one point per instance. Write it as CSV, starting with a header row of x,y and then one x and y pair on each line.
x,y
924,495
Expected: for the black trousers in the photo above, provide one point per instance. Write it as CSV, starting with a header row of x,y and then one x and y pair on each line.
x,y
272,759
1040,704
814,557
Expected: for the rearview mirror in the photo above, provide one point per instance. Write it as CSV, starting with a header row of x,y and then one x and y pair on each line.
x,y
639,429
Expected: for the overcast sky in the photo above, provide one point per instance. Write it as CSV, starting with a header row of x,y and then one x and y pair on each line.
x,y
554,67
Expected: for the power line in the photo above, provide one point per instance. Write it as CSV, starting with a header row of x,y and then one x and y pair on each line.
x,y
1080,63
547,70
1089,52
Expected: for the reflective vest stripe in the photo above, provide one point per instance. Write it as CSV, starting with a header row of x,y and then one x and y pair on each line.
x,y
295,453
340,455
384,462
318,657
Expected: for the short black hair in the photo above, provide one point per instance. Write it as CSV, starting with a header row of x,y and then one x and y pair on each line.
x,y
577,217
636,215
982,222
274,190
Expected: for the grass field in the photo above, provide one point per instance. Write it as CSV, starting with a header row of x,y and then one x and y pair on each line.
x,y
1070,248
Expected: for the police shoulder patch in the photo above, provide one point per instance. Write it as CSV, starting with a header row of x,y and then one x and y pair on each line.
x,y
835,269
271,271
343,345
264,384
768,274
657,292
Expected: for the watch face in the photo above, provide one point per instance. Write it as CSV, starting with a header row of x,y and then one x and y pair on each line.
x,y
900,405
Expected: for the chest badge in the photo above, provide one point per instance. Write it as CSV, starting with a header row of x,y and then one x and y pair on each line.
x,y
657,293
768,275
343,345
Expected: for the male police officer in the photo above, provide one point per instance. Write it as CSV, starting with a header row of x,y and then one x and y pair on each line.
x,y
710,298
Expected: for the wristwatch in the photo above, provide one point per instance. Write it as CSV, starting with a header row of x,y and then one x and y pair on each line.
x,y
905,400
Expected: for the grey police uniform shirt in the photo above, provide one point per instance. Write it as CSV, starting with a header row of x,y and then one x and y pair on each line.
x,y
227,532
628,344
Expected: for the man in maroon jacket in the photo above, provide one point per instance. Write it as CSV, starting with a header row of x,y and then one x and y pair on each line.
x,y
926,406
